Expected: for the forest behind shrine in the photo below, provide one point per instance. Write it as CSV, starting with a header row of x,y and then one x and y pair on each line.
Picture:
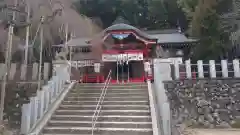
x,y
201,19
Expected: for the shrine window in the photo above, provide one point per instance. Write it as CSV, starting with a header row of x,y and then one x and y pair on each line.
x,y
86,50
82,50
89,70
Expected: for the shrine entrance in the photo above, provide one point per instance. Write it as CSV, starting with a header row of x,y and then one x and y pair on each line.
x,y
126,67
123,72
132,71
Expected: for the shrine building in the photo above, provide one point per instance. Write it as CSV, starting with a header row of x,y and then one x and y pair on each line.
x,y
125,50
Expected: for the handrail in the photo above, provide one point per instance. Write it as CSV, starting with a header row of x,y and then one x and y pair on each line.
x,y
34,112
101,99
154,114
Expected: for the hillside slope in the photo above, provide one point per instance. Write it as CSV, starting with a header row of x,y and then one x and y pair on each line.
x,y
80,25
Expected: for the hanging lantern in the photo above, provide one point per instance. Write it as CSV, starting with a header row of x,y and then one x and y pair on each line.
x,y
147,67
125,57
97,67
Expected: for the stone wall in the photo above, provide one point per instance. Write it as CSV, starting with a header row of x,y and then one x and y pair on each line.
x,y
205,103
19,88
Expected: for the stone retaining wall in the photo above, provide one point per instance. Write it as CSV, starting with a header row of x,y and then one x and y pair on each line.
x,y
205,103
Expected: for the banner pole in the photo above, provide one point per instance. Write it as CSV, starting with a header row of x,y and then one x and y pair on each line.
x,y
128,67
117,70
122,66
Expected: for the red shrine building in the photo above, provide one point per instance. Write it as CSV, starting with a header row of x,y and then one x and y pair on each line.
x,y
126,51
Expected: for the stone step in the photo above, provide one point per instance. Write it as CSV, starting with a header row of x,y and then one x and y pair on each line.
x,y
108,94
99,90
106,133
105,107
108,124
135,98
111,85
124,111
110,88
116,102
117,118
100,131
103,112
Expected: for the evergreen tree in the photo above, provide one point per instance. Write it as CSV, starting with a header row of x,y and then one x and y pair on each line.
x,y
151,14
205,25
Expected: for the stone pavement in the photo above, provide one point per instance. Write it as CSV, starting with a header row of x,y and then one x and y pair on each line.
x,y
211,132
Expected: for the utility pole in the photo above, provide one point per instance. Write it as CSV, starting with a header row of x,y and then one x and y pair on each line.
x,y
27,32
8,56
41,51
66,38
11,27
70,54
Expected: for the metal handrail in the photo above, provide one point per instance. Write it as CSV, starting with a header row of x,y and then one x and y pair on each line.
x,y
101,99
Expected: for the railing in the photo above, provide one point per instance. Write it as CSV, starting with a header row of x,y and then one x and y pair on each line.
x,y
92,78
31,74
153,106
211,69
162,72
33,112
101,99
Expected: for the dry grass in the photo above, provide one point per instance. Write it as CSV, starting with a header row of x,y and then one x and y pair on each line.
x,y
236,124
214,132
5,131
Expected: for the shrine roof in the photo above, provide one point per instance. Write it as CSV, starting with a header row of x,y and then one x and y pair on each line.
x,y
122,26
81,42
84,56
163,36
162,31
173,38
170,36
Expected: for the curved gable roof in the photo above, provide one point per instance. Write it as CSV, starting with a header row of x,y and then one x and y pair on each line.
x,y
120,19
122,26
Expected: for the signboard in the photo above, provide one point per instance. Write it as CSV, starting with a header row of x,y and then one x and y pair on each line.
x,y
169,60
84,63
122,57
176,60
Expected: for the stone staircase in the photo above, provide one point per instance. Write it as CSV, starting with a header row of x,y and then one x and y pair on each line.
x,y
125,111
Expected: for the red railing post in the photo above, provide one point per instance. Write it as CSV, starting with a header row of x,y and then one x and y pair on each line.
x,y
194,76
98,78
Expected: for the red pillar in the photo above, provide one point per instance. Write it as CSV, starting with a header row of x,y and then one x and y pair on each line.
x,y
146,55
146,50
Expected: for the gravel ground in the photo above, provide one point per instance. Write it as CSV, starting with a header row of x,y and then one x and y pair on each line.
x,y
212,132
